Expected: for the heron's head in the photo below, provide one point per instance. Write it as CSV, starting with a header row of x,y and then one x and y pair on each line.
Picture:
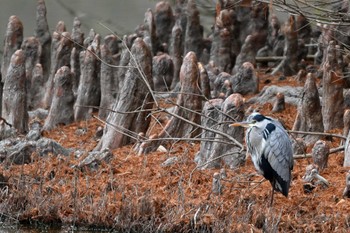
x,y
254,120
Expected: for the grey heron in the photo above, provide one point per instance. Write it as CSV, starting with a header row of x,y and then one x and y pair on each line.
x,y
271,150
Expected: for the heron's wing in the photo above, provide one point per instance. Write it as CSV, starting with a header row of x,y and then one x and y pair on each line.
x,y
279,153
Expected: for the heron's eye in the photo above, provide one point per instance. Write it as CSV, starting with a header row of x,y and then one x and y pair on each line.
x,y
253,121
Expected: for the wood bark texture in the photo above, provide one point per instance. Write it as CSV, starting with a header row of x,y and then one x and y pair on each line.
x,y
130,112
14,102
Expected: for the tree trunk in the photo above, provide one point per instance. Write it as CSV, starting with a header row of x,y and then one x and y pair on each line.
x,y
188,106
224,47
42,33
78,38
134,97
245,81
88,40
320,153
333,99
194,30
32,50
247,53
210,119
14,103
279,104
176,50
324,39
204,82
309,117
346,119
109,79
89,90
60,56
12,42
289,64
258,25
347,152
222,86
164,21
37,83
61,111
150,33
232,110
162,72
346,192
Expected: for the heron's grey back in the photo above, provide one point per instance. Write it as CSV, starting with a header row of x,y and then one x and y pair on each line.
x,y
279,153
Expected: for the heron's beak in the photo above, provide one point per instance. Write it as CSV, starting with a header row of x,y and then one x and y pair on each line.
x,y
244,124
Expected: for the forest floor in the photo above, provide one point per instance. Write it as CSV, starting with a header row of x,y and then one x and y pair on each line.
x,y
134,193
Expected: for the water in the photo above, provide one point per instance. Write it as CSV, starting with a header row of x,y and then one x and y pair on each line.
x,y
122,16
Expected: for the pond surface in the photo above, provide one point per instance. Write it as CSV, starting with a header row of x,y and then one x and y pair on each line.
x,y
122,16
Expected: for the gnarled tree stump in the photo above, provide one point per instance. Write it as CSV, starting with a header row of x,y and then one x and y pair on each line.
x,y
304,29
289,65
258,25
109,79
194,30
89,90
37,84
14,102
320,153
162,72
232,109
347,151
61,111
224,46
164,21
279,104
346,192
245,80
60,56
221,86
247,53
13,41
32,50
130,112
150,33
346,119
327,34
176,49
78,38
204,82
333,85
309,117
121,71
274,41
88,40
211,113
187,108
42,33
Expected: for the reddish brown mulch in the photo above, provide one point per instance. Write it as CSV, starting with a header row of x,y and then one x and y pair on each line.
x,y
135,192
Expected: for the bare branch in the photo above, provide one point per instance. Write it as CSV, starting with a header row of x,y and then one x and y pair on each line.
x,y
318,134
211,130
331,151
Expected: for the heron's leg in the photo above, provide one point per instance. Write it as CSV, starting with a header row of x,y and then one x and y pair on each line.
x,y
273,191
